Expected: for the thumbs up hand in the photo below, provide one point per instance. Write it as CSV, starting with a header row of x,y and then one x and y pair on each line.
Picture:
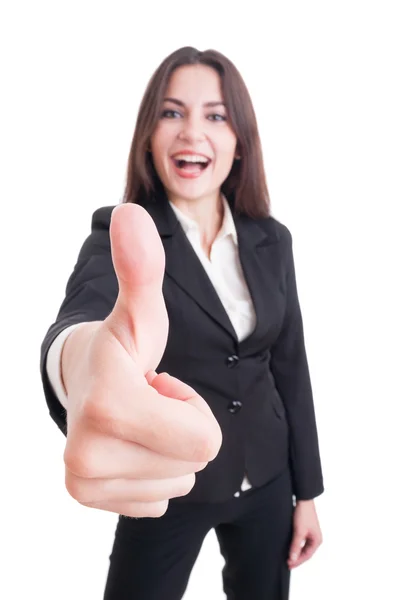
x,y
135,438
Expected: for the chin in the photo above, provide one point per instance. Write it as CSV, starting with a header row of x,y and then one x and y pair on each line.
x,y
192,190
193,195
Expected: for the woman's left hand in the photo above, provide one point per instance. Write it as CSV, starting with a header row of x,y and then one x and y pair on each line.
x,y
307,535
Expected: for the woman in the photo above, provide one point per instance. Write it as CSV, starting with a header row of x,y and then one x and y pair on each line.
x,y
194,237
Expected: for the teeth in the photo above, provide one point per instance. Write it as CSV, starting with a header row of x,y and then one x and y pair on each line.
x,y
194,158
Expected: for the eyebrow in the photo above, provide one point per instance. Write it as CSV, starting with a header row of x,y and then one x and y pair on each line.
x,y
206,104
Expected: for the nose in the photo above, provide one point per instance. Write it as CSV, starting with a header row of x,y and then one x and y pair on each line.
x,y
192,130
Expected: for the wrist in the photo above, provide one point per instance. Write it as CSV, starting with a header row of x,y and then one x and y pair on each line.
x,y
73,350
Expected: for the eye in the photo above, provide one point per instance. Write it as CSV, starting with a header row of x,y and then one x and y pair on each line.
x,y
170,114
217,117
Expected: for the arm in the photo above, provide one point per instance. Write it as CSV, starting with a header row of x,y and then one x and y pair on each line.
x,y
90,295
54,366
291,374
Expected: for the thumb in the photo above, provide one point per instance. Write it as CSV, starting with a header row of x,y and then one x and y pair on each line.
x,y
139,318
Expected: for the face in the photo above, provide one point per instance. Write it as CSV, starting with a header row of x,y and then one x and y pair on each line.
x,y
193,145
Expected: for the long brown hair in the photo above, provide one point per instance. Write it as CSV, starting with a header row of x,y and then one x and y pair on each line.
x,y
246,185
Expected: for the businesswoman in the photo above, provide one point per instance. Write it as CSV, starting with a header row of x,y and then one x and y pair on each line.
x,y
190,277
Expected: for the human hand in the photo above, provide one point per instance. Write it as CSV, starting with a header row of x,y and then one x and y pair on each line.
x,y
307,535
135,438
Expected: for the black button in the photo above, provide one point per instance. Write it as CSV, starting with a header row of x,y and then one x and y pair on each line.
x,y
232,361
234,406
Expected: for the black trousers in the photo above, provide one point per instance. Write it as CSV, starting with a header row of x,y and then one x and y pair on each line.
x,y
152,558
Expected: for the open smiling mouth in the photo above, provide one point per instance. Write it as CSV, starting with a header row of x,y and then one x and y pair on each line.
x,y
192,165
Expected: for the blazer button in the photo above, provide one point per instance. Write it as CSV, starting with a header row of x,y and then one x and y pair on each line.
x,y
234,406
232,361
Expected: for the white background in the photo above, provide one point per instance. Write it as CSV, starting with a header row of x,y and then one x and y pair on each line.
x,y
323,79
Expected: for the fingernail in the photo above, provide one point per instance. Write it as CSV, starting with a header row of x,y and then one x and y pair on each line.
x,y
293,556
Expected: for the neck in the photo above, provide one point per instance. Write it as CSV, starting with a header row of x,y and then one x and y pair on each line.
x,y
207,212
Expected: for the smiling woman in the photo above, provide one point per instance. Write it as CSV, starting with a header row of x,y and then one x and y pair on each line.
x,y
198,282
193,148
197,104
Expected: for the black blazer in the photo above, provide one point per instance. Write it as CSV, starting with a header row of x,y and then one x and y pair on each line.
x,y
259,389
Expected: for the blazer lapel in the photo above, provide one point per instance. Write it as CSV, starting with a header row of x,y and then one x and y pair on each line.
x,y
258,265
185,268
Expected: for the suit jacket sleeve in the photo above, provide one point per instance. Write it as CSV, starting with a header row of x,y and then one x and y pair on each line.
x,y
90,295
290,370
